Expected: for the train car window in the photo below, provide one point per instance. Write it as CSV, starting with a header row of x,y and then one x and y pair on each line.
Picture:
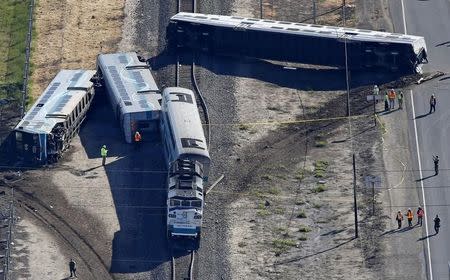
x,y
143,124
271,21
19,136
175,202
237,17
276,27
196,203
185,203
285,22
182,97
191,143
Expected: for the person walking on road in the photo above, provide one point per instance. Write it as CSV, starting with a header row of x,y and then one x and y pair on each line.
x,y
437,224
436,164
432,103
103,153
386,102
399,219
410,217
392,97
420,214
73,268
400,100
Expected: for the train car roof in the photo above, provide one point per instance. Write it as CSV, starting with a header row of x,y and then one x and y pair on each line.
x,y
299,28
132,82
186,122
56,103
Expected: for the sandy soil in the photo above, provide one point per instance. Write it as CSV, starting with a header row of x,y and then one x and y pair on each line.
x,y
291,228
32,248
70,35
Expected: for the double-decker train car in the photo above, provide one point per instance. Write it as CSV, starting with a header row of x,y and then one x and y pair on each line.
x,y
297,42
188,159
133,93
48,127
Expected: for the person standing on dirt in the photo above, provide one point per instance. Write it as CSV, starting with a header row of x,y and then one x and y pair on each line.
x,y
376,92
399,219
420,214
410,217
392,97
103,153
386,102
432,103
400,100
73,268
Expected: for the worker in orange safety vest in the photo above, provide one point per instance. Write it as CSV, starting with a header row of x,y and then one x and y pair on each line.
x,y
410,217
137,138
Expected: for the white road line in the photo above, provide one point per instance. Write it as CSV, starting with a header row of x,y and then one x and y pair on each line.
x,y
404,18
421,185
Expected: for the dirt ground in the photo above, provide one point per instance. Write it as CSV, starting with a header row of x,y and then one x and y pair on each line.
x,y
70,34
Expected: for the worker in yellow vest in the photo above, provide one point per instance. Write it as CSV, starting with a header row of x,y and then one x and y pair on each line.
x,y
103,153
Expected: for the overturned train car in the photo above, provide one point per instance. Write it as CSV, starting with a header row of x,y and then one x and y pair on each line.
x,y
297,42
54,119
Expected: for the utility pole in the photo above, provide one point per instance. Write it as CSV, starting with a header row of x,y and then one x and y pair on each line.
x,y
314,11
346,76
354,197
261,9
343,13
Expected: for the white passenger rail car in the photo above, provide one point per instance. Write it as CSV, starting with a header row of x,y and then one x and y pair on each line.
x,y
133,93
54,119
188,159
297,42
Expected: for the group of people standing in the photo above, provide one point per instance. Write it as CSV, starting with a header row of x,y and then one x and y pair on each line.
x,y
420,214
390,97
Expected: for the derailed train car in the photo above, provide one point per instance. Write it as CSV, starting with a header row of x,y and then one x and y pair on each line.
x,y
297,42
54,119
188,159
133,93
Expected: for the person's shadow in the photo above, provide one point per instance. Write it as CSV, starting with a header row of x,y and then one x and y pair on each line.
x,y
422,116
424,178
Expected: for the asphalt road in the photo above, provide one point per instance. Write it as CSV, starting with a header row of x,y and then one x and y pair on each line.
x,y
430,19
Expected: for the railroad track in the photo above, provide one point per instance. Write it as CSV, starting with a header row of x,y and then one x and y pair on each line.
x,y
86,253
185,74
185,272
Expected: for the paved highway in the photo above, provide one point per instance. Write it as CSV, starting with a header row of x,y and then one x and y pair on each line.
x,y
430,133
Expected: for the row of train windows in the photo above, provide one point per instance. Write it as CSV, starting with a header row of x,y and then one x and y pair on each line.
x,y
186,203
77,110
